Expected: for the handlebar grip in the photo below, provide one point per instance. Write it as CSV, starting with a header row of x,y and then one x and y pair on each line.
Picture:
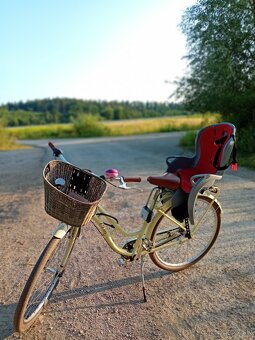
x,y
132,179
55,150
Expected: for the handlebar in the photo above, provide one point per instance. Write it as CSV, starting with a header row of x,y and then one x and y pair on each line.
x,y
132,179
122,180
55,150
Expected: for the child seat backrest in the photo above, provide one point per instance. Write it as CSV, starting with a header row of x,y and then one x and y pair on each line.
x,y
215,144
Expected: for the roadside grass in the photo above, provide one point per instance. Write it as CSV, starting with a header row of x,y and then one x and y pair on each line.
x,y
7,141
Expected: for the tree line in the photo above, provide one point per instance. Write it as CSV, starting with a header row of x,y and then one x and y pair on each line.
x,y
65,110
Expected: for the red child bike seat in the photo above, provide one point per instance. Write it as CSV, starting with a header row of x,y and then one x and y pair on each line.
x,y
215,144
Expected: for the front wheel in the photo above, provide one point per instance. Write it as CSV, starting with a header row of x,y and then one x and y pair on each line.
x,y
43,280
177,250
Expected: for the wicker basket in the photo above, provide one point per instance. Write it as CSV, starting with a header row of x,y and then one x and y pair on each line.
x,y
75,202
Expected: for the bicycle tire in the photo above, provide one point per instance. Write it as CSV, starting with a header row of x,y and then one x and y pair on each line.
x,y
32,301
182,252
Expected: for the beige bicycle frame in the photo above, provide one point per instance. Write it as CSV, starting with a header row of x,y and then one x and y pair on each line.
x,y
138,236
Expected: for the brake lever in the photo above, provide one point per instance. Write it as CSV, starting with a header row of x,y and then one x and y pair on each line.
x,y
113,174
123,184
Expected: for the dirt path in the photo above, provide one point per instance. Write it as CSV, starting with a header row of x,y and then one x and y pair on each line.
x,y
97,299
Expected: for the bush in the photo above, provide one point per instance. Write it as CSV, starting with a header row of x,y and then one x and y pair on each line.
x,y
246,147
246,140
188,140
87,125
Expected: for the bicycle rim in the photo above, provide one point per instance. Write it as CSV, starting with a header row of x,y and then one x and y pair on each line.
x,y
181,252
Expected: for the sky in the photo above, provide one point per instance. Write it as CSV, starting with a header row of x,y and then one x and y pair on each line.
x,y
101,49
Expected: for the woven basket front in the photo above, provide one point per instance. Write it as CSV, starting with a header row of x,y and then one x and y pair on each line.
x,y
71,204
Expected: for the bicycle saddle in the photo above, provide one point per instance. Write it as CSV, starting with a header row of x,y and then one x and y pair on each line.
x,y
168,180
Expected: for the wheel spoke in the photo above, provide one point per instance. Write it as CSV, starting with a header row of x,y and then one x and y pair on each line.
x,y
182,254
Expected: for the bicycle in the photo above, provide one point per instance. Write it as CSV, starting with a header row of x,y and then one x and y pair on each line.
x,y
171,244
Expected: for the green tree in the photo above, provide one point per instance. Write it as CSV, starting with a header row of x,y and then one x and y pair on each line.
x,y
64,110
221,54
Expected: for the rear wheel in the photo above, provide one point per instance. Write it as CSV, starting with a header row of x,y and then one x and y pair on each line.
x,y
182,252
42,281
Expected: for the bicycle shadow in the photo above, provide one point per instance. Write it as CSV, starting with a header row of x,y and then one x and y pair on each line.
x,y
7,311
107,286
6,320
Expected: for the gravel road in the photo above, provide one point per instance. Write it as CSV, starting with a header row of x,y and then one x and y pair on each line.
x,y
97,299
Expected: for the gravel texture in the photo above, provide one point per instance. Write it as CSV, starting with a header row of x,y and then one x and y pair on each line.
x,y
97,299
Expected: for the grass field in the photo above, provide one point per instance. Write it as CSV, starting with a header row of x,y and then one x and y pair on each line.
x,y
153,125
116,128
42,131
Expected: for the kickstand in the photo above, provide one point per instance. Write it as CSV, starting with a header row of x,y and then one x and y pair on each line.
x,y
143,281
